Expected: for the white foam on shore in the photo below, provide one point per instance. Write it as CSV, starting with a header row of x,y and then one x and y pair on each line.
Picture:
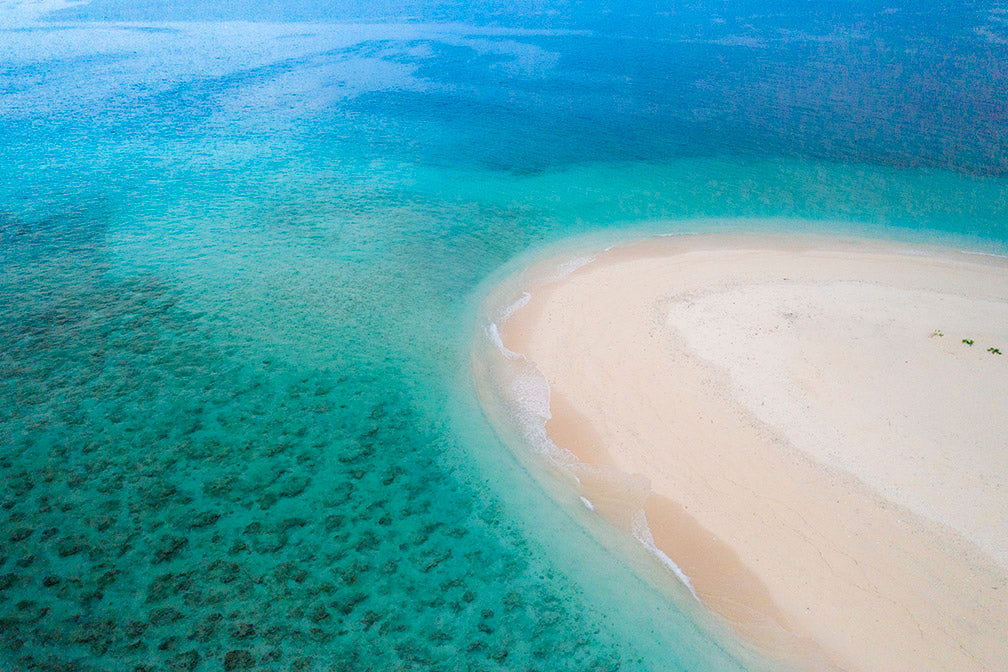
x,y
572,265
494,335
527,391
984,254
514,307
527,396
563,269
642,533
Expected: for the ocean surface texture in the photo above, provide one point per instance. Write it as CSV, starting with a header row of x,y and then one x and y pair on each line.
x,y
242,248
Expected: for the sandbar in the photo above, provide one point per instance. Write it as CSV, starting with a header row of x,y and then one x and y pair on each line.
x,y
815,432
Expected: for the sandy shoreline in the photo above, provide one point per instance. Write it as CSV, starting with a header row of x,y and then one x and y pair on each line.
x,y
829,472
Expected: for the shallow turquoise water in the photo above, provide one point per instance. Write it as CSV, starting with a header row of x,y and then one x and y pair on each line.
x,y
239,269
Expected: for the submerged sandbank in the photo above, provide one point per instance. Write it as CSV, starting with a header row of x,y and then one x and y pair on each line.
x,y
811,432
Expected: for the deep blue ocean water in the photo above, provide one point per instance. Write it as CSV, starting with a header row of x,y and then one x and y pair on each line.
x,y
241,246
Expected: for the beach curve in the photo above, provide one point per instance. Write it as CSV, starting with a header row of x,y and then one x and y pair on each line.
x,y
806,430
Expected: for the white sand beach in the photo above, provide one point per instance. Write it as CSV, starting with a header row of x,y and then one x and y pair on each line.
x,y
815,442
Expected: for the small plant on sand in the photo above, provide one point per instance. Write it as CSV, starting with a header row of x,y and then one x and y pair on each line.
x,y
994,351
968,341
936,332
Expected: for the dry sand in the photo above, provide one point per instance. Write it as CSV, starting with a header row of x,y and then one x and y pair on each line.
x,y
829,472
